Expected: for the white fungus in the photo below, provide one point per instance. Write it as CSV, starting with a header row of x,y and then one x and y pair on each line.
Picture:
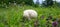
x,y
30,14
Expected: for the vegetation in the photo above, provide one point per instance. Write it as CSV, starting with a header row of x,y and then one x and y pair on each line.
x,y
28,2
12,16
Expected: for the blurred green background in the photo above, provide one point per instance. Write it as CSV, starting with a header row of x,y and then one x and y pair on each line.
x,y
11,15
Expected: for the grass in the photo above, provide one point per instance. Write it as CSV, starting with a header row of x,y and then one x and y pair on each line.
x,y
12,16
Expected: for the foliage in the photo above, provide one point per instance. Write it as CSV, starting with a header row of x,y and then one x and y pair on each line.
x,y
12,16
29,2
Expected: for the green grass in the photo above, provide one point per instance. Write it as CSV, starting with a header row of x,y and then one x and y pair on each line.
x,y
12,16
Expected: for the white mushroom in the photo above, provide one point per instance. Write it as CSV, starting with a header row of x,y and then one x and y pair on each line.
x,y
30,14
